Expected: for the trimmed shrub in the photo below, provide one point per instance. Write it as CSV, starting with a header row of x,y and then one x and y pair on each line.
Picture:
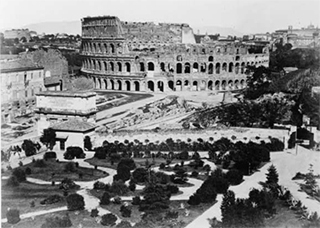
x,y
132,186
13,216
19,174
194,199
53,222
136,200
194,174
162,166
74,152
12,181
67,184
49,155
234,177
116,200
99,185
108,219
94,213
105,199
125,211
75,202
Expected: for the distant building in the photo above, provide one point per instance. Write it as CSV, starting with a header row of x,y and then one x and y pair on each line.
x,y
17,33
20,81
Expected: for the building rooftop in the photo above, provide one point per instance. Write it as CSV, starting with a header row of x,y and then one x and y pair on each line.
x,y
51,81
74,126
67,93
18,65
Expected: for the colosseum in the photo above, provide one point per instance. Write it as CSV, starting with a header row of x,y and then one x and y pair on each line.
x,y
164,57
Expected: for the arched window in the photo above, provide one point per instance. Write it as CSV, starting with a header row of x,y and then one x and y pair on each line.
x,y
112,50
128,67
162,66
210,68
179,68
150,66
210,59
119,66
142,67
187,68
230,67
217,68
224,67
195,67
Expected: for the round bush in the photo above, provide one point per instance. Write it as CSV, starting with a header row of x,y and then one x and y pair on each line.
x,y
94,213
136,200
99,185
194,174
49,155
108,219
13,216
75,202
105,199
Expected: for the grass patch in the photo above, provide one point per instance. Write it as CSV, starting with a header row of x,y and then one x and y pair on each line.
x,y
58,168
21,196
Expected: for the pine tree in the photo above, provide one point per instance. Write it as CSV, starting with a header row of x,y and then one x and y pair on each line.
x,y
272,175
309,179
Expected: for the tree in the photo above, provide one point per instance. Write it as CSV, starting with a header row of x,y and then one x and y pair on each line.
x,y
29,147
108,219
13,216
56,221
20,174
310,181
75,202
272,175
48,138
87,143
105,199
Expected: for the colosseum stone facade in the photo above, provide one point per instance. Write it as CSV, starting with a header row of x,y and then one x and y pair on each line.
x,y
163,57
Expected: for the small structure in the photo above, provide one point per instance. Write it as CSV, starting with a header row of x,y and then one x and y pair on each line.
x,y
54,107
72,132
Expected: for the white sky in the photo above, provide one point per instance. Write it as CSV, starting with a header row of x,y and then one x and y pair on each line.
x,y
247,16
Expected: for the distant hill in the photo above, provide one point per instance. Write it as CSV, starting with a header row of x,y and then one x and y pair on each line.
x,y
69,27
74,27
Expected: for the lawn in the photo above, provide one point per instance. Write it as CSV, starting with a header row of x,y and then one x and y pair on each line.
x,y
76,217
130,97
58,169
21,196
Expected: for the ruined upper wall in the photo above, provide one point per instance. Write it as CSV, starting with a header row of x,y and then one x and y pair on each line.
x,y
112,27
101,27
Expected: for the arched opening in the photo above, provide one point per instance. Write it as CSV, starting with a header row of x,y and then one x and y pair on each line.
x,y
170,68
187,68
236,84
112,84
178,85
210,68
237,68
94,47
136,86
160,86
119,85
150,66
151,86
179,68
230,67
224,67
93,65
210,59
128,86
128,67
142,67
195,86
105,66
99,84
186,85
179,58
217,85
119,66
105,48
171,85
210,85
105,84
203,85
112,66
203,67
112,49
224,85
162,67
230,85
242,83
195,68
94,82
99,48
243,66
217,68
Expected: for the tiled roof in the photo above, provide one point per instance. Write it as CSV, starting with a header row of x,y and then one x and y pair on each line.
x,y
18,65
74,126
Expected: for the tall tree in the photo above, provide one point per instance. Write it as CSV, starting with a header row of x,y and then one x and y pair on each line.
x,y
48,138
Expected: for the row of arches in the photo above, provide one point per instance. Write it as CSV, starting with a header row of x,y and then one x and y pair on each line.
x,y
116,84
105,66
105,48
